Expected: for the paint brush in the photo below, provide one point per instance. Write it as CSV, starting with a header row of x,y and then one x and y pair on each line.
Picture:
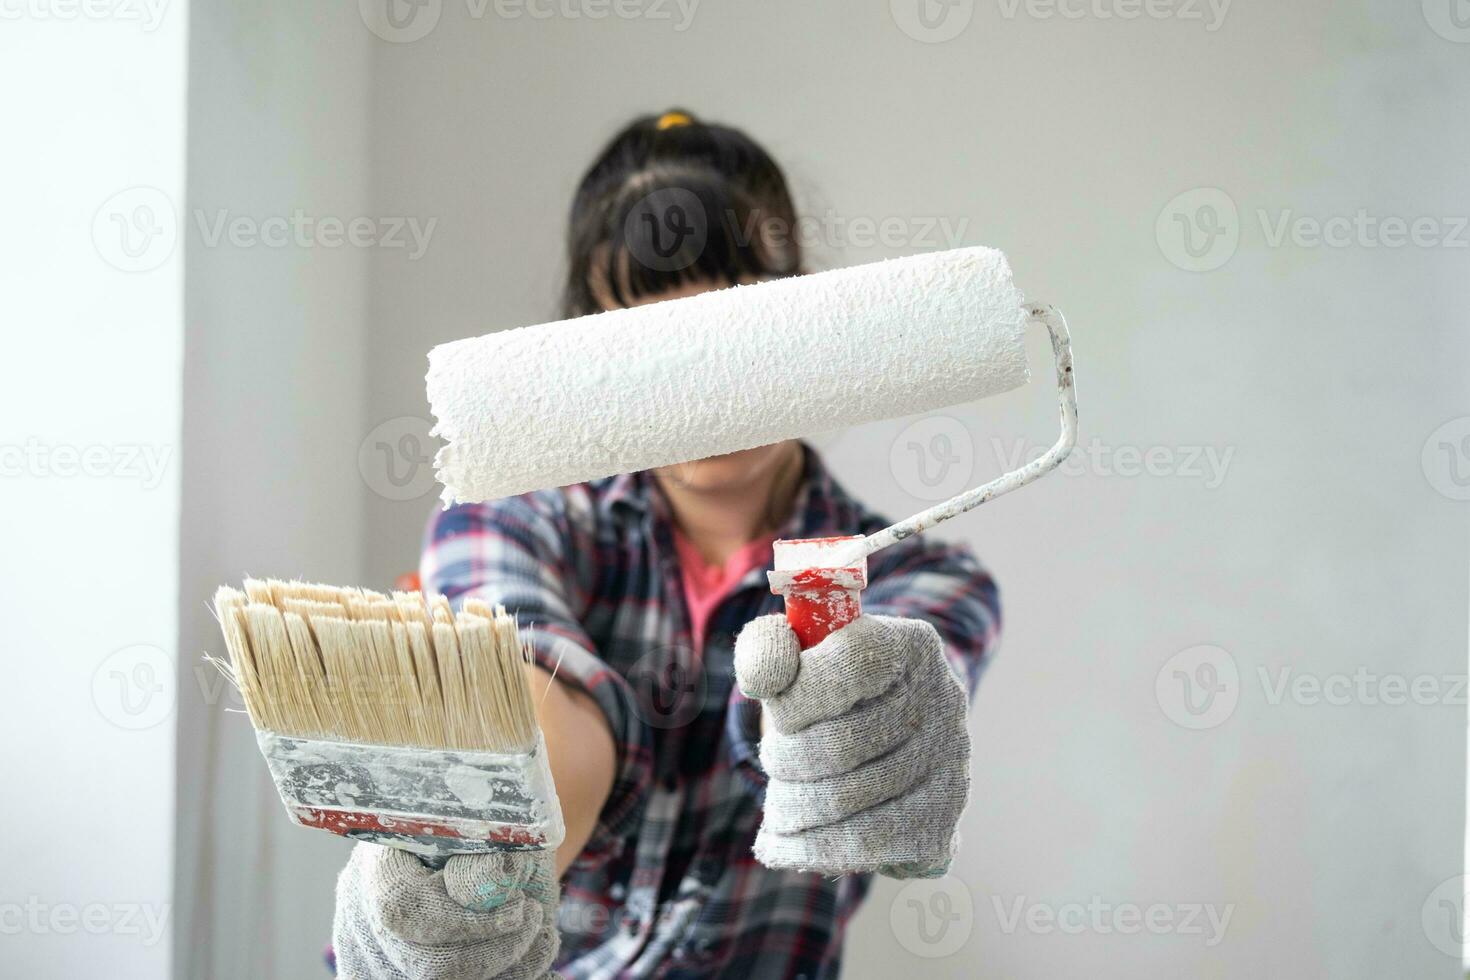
x,y
392,719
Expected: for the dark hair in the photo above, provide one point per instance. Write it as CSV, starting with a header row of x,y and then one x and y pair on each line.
x,y
671,201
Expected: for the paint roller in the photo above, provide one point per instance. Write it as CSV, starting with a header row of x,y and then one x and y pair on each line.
x,y
742,367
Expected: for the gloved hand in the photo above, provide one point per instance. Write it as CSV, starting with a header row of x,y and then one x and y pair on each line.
x,y
482,916
869,758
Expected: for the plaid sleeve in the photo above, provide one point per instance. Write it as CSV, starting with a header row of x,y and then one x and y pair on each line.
x,y
533,554
946,586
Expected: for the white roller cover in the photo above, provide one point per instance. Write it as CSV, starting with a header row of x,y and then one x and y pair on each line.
x,y
632,389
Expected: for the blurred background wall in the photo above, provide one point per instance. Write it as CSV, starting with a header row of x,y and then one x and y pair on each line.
x,y
91,334
275,397
1224,736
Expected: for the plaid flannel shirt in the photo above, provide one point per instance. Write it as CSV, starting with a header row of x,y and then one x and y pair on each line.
x,y
667,886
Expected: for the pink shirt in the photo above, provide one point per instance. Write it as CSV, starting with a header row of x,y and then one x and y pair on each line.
x,y
706,585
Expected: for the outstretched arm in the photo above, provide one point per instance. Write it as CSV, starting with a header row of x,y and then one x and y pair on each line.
x,y
579,745
535,554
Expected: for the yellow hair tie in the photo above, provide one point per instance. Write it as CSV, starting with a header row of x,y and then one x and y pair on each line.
x,y
670,120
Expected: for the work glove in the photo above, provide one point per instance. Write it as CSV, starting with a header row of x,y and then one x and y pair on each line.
x,y
481,916
867,755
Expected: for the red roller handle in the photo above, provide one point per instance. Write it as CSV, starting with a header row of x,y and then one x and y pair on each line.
x,y
819,599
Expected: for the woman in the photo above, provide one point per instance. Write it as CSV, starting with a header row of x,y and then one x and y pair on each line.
x,y
716,786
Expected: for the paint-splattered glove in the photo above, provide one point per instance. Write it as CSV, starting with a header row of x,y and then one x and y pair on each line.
x,y
867,754
482,916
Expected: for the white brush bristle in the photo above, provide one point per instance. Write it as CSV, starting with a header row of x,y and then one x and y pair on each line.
x,y
354,665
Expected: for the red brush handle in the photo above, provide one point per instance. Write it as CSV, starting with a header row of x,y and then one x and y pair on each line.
x,y
819,600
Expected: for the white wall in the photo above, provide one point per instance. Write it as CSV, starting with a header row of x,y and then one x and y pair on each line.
x,y
1325,549
92,329
273,400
